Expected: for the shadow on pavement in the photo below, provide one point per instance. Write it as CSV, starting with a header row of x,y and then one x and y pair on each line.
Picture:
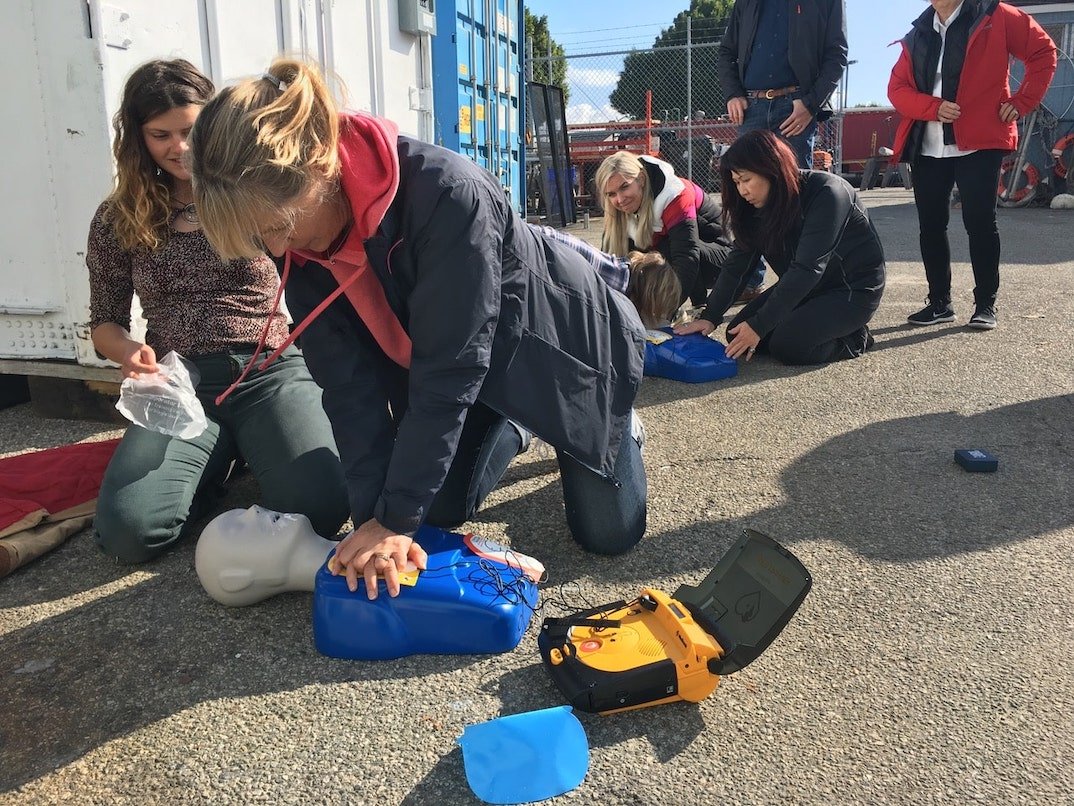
x,y
891,490
74,682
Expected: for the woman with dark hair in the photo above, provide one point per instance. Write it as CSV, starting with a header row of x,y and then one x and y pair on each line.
x,y
951,87
146,239
814,232
647,208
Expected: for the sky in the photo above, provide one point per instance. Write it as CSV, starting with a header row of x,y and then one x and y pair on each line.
x,y
599,25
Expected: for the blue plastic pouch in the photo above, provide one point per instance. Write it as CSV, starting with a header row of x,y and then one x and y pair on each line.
x,y
691,359
524,758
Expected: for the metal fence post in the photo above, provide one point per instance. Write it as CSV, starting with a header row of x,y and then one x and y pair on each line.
x,y
689,99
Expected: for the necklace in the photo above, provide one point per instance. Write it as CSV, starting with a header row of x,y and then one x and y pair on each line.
x,y
341,239
188,212
345,212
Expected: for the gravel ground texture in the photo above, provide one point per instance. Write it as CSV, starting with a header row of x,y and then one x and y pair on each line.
x,y
931,663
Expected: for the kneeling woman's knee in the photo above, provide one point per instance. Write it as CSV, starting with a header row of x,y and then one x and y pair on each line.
x,y
130,533
608,536
792,349
313,485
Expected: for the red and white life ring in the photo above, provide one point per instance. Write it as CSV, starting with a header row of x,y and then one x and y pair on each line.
x,y
1032,179
1064,155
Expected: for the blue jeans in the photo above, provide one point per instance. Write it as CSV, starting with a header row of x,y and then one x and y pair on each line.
x,y
603,518
762,114
156,486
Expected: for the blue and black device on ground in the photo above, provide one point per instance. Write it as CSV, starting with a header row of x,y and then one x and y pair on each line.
x,y
977,460
691,359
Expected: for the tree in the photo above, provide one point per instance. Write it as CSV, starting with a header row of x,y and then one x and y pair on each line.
x,y
663,69
540,44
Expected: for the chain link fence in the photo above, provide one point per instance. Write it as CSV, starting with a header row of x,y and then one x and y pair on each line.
x,y
665,101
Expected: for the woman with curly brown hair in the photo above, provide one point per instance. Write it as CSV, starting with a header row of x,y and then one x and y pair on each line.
x,y
146,239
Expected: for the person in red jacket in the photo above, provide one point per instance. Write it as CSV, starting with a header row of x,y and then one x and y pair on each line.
x,y
952,87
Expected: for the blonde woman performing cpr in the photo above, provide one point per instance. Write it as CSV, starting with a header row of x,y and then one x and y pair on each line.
x,y
441,327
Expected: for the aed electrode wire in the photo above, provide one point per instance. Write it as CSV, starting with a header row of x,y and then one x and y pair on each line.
x,y
507,581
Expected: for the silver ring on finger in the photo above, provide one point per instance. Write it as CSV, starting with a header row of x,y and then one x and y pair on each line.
x,y
385,557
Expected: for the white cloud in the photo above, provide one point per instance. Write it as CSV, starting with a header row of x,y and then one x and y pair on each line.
x,y
588,113
592,76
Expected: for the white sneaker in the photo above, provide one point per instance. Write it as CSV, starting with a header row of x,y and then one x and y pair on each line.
x,y
524,436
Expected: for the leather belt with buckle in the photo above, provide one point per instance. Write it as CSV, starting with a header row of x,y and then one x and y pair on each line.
x,y
768,95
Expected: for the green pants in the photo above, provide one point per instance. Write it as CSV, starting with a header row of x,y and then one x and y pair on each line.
x,y
156,486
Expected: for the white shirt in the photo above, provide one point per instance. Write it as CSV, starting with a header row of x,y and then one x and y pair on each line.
x,y
933,145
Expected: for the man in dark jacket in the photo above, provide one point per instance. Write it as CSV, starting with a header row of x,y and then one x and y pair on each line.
x,y
779,62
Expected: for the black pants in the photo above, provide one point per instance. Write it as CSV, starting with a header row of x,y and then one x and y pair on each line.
x,y
602,517
710,264
830,326
977,176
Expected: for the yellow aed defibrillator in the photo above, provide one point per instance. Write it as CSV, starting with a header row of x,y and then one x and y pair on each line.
x,y
659,648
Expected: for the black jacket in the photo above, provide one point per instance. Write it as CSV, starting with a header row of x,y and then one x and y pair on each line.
x,y
818,49
495,312
834,245
685,244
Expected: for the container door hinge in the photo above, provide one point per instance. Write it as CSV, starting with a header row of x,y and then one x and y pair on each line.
x,y
421,99
116,27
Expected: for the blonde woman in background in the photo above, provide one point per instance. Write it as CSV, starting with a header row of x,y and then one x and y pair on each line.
x,y
648,208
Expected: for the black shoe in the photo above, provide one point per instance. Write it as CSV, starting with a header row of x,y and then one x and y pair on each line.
x,y
984,318
750,294
858,342
933,314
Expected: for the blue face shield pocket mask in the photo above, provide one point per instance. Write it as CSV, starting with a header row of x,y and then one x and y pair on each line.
x,y
524,758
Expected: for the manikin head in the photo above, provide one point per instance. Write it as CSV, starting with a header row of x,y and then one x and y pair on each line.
x,y
247,555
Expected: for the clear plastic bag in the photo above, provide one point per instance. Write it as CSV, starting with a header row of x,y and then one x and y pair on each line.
x,y
164,401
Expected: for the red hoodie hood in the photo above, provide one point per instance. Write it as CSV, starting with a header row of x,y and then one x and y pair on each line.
x,y
369,176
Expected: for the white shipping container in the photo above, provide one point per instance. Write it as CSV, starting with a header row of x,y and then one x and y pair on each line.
x,y
74,57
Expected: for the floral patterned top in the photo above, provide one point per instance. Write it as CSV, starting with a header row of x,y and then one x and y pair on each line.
x,y
194,302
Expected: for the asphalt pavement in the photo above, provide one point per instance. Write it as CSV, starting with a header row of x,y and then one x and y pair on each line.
x,y
931,663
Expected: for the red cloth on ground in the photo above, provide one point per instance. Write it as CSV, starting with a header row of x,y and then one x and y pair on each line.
x,y
52,480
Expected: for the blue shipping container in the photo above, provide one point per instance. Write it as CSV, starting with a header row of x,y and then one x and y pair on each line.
x,y
477,81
